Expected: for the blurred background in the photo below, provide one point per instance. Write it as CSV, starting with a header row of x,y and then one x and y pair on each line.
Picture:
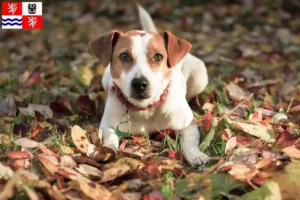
x,y
259,40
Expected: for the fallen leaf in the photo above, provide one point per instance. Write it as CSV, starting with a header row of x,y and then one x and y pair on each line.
x,y
207,121
285,139
295,109
89,171
86,160
20,163
73,175
43,109
265,82
48,165
15,155
9,189
59,110
85,105
5,172
115,172
228,184
194,186
132,196
85,75
236,92
30,193
279,117
27,143
7,105
230,144
80,139
210,135
67,161
21,129
269,191
34,78
292,151
94,191
256,129
288,181
242,172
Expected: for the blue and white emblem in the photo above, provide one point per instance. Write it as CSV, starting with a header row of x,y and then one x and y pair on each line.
x,y
11,22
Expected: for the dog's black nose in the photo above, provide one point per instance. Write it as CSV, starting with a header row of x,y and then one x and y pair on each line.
x,y
139,85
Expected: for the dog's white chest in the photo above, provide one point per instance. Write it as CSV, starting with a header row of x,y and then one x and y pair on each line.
x,y
176,117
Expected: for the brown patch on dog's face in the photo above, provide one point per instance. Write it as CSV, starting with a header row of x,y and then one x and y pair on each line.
x,y
156,46
135,33
124,45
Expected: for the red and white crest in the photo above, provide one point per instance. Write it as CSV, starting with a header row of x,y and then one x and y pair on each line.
x,y
22,15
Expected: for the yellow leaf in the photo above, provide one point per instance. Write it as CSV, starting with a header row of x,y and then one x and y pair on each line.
x,y
85,75
288,181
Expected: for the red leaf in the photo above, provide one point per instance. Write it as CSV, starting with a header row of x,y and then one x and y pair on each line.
x,y
285,139
20,163
59,110
207,121
21,129
85,105
162,134
138,140
86,160
152,170
15,155
33,79
172,154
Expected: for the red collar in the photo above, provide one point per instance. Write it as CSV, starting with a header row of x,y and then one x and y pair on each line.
x,y
121,97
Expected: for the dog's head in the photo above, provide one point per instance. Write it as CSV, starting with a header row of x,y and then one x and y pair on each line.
x,y
141,62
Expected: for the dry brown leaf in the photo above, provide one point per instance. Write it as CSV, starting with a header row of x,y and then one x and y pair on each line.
x,y
231,143
80,140
89,171
242,172
72,174
292,151
9,188
52,168
115,172
67,161
95,192
43,109
27,143
265,133
5,172
236,92
132,195
30,193
14,155
288,181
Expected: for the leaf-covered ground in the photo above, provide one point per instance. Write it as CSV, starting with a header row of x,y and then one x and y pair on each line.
x,y
51,102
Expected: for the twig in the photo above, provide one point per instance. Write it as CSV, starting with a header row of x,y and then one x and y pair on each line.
x,y
290,105
236,107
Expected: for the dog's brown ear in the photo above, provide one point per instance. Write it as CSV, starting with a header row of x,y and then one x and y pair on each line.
x,y
102,47
176,47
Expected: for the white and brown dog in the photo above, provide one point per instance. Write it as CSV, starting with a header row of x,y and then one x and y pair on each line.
x,y
150,77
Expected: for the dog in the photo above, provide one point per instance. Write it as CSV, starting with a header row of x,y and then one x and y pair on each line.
x,y
149,79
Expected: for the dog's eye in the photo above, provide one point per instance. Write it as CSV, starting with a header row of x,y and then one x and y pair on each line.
x,y
158,57
124,57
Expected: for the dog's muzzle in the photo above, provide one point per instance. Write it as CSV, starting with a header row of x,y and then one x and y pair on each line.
x,y
139,88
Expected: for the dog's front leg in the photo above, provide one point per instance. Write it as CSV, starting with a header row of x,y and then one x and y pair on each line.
x,y
112,116
110,139
190,145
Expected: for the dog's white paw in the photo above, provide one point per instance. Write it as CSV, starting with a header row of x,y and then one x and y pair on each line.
x,y
197,159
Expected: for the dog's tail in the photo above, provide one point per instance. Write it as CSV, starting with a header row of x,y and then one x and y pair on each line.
x,y
146,20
